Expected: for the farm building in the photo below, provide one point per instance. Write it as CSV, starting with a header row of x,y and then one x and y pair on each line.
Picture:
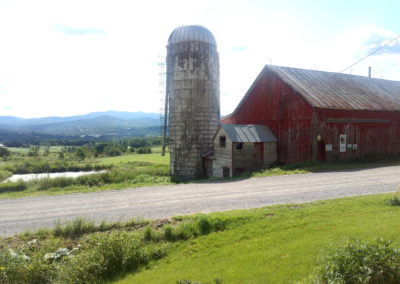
x,y
241,148
317,115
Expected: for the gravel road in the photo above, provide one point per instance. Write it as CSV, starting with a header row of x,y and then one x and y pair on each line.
x,y
18,215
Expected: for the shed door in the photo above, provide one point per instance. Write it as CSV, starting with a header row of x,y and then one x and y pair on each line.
x,y
259,152
226,172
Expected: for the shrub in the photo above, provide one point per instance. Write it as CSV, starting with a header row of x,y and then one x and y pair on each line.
x,y
143,150
4,175
168,233
207,225
16,267
13,186
112,151
47,183
204,225
148,234
394,201
4,152
108,255
361,262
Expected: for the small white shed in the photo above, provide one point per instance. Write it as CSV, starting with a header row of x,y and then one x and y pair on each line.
x,y
242,148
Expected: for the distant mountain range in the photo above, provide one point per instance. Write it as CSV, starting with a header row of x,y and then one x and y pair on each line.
x,y
95,124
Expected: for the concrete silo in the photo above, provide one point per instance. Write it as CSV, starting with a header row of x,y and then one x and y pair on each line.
x,y
193,98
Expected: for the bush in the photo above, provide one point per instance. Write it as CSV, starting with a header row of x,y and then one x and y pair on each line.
x,y
4,175
113,151
13,186
143,150
169,233
361,262
148,234
204,225
16,267
394,201
4,152
47,183
108,255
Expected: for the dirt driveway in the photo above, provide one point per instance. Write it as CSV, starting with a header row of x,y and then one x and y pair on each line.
x,y
17,215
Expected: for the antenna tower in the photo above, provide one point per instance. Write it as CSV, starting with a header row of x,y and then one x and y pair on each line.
x,y
163,103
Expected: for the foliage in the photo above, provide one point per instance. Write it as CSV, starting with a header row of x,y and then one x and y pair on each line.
x,y
361,262
75,228
92,253
13,186
395,200
34,151
143,150
98,257
107,255
4,175
4,152
27,167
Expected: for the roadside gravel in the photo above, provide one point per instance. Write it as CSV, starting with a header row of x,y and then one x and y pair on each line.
x,y
18,215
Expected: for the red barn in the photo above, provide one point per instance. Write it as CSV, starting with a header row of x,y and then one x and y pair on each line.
x,y
319,115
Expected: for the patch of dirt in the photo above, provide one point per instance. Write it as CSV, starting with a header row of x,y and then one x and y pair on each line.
x,y
161,222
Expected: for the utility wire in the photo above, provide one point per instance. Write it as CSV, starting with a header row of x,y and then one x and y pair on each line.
x,y
386,68
372,53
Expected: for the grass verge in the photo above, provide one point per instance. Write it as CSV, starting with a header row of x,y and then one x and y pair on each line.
x,y
278,244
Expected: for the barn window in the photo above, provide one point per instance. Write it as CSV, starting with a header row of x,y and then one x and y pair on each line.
x,y
222,141
239,146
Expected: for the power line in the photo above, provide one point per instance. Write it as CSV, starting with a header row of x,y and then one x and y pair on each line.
x,y
386,68
372,53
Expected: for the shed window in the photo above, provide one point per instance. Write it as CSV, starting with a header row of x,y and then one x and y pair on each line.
x,y
239,146
222,141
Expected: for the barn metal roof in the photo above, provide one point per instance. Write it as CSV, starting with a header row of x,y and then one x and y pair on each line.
x,y
248,133
341,91
191,33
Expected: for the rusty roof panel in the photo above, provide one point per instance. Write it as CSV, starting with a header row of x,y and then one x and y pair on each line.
x,y
341,91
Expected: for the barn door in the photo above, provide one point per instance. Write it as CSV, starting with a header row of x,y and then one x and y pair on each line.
x,y
321,151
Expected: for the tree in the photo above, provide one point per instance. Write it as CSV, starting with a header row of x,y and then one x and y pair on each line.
x,y
4,152
34,151
80,153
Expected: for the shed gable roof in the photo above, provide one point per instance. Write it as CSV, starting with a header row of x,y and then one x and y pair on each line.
x,y
248,133
341,91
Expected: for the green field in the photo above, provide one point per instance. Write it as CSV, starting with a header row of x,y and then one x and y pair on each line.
x,y
154,158
124,171
278,244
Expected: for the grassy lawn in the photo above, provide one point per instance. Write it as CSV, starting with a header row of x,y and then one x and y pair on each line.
x,y
278,244
154,158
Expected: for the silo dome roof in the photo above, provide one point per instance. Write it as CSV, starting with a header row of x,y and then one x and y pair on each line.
x,y
191,33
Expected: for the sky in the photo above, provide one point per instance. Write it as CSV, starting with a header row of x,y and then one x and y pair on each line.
x,y
71,57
